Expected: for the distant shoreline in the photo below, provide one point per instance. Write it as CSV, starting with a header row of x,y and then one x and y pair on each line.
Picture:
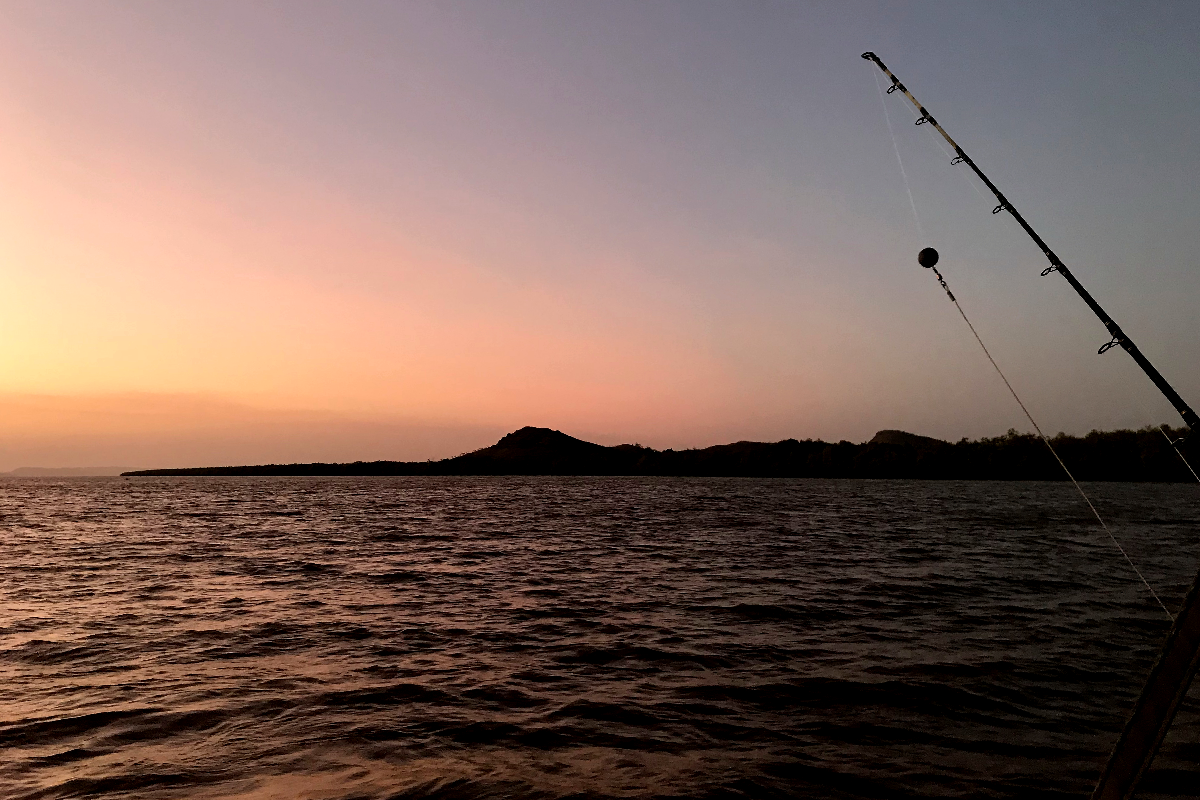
x,y
63,472
1122,455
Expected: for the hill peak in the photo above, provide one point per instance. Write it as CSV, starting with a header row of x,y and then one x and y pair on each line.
x,y
904,438
531,438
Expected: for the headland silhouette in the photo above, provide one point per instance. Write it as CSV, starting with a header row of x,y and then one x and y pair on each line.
x,y
1123,455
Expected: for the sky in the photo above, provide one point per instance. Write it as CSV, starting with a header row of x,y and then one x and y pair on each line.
x,y
246,232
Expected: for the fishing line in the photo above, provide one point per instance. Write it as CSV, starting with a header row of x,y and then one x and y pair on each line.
x,y
900,161
1054,452
1000,372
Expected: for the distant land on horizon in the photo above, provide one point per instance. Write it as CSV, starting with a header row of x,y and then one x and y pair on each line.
x,y
63,472
1124,455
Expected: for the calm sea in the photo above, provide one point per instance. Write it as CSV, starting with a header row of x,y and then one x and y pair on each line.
x,y
579,637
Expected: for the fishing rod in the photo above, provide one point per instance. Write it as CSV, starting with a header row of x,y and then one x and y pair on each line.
x,y
1179,659
1056,265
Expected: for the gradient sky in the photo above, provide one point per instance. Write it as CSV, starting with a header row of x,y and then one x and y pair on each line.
x,y
239,232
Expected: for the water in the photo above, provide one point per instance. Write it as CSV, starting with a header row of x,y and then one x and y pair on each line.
x,y
547,638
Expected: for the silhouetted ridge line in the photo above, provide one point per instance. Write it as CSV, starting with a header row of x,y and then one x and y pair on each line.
x,y
1123,455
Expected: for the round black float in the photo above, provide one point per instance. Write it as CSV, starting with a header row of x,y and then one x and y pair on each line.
x,y
927,257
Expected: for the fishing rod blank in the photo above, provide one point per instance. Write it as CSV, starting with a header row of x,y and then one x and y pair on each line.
x,y
1056,264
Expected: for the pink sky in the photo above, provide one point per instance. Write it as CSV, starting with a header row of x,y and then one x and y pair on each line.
x,y
245,233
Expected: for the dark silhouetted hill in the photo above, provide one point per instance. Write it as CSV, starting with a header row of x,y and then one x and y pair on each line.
x,y
904,438
1125,455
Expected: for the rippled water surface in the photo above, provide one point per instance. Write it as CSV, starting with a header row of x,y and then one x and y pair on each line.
x,y
555,637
